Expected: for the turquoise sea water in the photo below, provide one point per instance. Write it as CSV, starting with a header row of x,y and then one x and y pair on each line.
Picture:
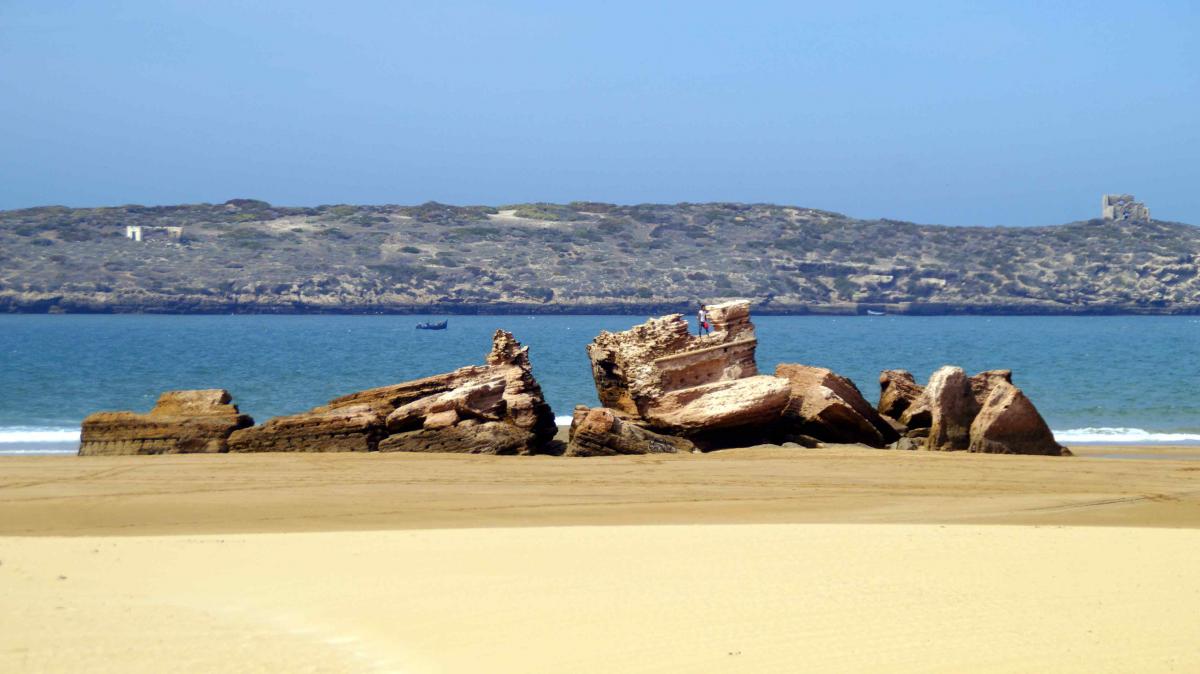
x,y
1121,378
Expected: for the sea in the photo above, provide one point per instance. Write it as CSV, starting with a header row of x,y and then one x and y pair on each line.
x,y
1109,379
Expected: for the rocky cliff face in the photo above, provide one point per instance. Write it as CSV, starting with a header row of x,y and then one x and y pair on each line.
x,y
249,256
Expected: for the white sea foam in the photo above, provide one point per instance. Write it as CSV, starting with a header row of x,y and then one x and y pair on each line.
x,y
562,421
31,434
1132,436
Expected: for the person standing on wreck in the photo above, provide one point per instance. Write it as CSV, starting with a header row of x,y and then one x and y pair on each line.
x,y
702,320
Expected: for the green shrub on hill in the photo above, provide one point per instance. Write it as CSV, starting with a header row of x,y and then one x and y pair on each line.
x,y
544,211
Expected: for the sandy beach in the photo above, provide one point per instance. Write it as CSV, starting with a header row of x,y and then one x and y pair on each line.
x,y
762,559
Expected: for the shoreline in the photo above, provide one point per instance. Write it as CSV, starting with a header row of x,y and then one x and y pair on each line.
x,y
29,441
1116,448
1187,451
1093,450
1121,450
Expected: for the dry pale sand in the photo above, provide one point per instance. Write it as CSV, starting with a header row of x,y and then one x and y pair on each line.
x,y
754,560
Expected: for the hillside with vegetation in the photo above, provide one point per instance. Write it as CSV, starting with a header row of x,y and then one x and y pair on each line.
x,y
249,256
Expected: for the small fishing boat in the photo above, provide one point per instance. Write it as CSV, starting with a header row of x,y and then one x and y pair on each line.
x,y
432,326
872,312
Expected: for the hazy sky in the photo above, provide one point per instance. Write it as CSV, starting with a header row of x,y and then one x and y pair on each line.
x,y
949,112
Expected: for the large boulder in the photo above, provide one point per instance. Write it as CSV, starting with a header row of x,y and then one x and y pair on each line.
x,y
898,391
182,422
718,406
1008,423
481,399
496,408
467,437
350,423
706,388
952,406
829,407
918,415
345,428
601,432
983,383
384,399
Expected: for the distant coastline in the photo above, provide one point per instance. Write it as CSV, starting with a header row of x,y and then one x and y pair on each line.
x,y
251,257
187,308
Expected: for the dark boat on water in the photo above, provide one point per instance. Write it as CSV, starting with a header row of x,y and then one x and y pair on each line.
x,y
432,326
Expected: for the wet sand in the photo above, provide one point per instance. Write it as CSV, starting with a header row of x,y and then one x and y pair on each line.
x,y
756,560
271,493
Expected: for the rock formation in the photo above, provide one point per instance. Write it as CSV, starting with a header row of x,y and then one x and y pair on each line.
x,y
659,375
467,437
983,383
182,422
497,408
663,390
1008,423
897,392
918,415
981,413
830,407
750,402
635,367
953,407
600,432
350,428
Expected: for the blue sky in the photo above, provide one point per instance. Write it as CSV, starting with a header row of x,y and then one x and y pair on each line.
x,y
1006,113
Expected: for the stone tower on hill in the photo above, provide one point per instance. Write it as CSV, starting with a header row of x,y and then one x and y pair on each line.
x,y
1123,207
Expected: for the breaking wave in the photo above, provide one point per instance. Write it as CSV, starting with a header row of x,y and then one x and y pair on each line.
x,y
1123,436
38,440
30,434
